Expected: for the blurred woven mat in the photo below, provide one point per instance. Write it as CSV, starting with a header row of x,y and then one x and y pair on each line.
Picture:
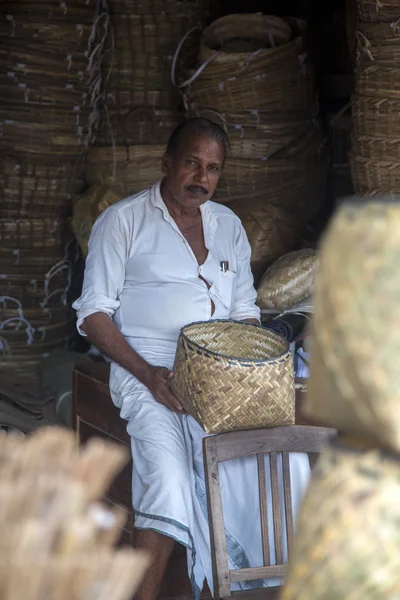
x,y
24,405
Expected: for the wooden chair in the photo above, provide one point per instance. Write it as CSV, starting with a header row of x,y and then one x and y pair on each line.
x,y
228,446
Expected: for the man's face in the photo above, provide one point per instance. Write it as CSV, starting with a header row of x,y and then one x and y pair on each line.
x,y
192,173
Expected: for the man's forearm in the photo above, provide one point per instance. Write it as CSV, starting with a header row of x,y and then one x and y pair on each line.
x,y
105,335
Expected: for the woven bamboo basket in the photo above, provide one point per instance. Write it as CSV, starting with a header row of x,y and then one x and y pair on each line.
x,y
348,538
374,148
354,373
88,207
271,231
231,376
237,37
371,50
381,33
128,99
370,173
156,7
276,79
378,80
32,186
135,167
376,117
256,134
29,234
373,11
140,125
288,281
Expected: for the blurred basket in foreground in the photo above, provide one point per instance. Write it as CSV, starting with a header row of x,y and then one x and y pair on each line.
x,y
231,376
348,536
355,381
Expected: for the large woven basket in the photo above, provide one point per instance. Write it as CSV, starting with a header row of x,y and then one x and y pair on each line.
x,y
255,134
378,80
375,11
231,376
238,36
347,543
376,147
376,116
354,383
288,281
88,207
271,231
133,167
368,173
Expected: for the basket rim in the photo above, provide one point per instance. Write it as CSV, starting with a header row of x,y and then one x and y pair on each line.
x,y
260,361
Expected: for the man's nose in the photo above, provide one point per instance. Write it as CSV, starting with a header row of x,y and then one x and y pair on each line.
x,y
202,174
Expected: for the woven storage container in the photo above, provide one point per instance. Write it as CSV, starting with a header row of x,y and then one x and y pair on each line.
x,y
135,167
375,11
376,117
256,134
368,173
238,36
271,231
288,281
280,81
88,207
126,127
347,543
376,147
378,80
354,383
231,376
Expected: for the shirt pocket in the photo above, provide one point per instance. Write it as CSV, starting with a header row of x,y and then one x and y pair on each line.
x,y
224,288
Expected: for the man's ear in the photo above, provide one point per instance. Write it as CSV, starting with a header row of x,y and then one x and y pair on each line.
x,y
166,163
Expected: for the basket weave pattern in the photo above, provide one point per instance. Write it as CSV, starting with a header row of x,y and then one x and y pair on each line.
x,y
231,376
288,281
376,140
348,530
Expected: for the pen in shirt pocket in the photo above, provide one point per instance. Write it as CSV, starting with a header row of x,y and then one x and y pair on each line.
x,y
224,264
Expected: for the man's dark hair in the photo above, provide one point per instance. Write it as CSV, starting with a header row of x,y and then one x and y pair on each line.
x,y
199,126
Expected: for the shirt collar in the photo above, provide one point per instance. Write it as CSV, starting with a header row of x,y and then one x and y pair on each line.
x,y
209,215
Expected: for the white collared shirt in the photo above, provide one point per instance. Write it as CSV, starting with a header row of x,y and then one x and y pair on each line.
x,y
142,272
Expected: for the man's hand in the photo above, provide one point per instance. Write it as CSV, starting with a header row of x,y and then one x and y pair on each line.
x,y
156,380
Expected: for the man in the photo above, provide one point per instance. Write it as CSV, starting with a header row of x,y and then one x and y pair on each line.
x,y
154,265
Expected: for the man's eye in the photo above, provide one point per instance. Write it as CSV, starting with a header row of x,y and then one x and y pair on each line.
x,y
190,162
214,168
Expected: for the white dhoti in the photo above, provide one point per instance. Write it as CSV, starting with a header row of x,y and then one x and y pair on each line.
x,y
168,487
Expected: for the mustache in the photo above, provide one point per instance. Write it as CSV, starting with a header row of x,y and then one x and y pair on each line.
x,y
195,188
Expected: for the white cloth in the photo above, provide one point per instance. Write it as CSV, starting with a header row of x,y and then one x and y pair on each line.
x,y
142,273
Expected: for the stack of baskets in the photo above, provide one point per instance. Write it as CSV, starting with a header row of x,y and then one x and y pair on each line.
x,y
254,79
375,159
50,57
141,106
59,539
348,531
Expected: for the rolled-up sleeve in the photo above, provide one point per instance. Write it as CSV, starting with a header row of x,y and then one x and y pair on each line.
x,y
105,267
244,302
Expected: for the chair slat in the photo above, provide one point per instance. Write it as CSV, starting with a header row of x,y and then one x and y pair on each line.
x,y
287,491
221,575
262,490
276,508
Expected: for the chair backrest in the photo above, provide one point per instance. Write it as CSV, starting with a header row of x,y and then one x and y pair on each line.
x,y
228,446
